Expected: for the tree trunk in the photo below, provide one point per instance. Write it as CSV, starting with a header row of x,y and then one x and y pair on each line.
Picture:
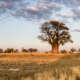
x,y
55,49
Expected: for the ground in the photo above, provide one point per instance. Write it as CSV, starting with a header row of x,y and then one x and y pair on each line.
x,y
30,57
39,66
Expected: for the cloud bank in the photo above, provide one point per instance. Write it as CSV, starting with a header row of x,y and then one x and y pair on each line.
x,y
41,9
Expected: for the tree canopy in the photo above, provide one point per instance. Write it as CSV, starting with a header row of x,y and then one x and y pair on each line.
x,y
55,33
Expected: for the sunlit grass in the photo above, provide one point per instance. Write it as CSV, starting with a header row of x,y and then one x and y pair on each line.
x,y
66,66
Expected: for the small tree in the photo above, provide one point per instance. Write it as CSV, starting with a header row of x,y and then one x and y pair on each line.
x,y
63,51
1,50
73,50
24,50
79,50
16,50
9,50
32,50
55,33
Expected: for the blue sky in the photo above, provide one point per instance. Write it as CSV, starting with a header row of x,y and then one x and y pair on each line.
x,y
20,21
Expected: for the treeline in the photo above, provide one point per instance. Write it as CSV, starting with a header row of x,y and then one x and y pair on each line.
x,y
12,50
72,50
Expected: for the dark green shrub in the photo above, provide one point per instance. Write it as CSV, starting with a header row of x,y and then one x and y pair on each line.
x,y
9,50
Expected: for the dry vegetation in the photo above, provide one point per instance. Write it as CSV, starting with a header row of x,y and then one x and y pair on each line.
x,y
30,57
24,66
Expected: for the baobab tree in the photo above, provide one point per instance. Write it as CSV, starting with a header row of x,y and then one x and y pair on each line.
x,y
55,33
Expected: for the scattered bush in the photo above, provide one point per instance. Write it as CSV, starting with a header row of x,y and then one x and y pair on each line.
x,y
24,50
11,50
32,50
16,50
1,50
72,50
63,51
79,50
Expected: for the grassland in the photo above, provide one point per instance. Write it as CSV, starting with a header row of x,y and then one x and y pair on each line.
x,y
29,57
39,66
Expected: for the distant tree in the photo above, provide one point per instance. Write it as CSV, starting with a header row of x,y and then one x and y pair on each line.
x,y
16,50
9,50
55,33
32,50
63,51
73,50
1,50
79,50
24,50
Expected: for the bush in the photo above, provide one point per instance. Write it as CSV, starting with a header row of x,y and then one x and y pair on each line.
x,y
9,50
63,51
24,50
16,50
72,50
32,50
79,50
1,50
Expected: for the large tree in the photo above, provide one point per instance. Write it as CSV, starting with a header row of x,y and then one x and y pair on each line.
x,y
55,33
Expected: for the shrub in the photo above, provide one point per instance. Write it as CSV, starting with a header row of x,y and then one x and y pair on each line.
x,y
32,50
79,50
16,50
24,50
72,50
9,50
1,50
63,51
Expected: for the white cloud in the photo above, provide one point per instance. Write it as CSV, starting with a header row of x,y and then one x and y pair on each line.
x,y
40,9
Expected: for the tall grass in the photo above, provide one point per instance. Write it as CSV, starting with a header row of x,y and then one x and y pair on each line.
x,y
66,68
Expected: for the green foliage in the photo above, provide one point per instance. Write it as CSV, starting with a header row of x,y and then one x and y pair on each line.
x,y
11,50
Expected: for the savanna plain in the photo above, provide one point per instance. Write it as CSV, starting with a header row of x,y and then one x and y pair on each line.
x,y
39,66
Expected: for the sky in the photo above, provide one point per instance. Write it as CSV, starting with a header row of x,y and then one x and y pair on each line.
x,y
20,22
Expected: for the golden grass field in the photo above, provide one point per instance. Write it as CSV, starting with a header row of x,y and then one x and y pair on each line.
x,y
30,57
39,66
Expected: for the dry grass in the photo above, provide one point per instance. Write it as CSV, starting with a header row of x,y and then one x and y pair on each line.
x,y
30,57
21,66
